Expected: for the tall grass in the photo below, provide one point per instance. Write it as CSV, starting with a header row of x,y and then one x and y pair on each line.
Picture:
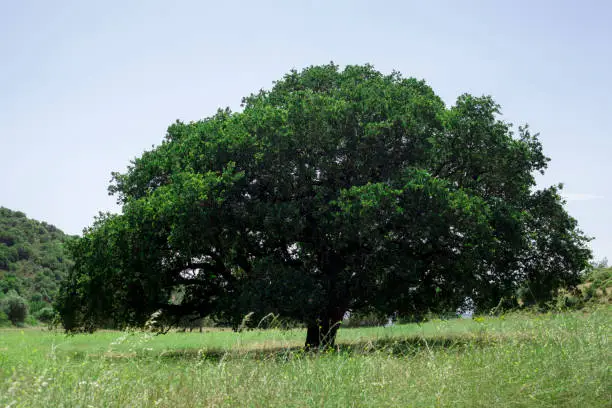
x,y
518,360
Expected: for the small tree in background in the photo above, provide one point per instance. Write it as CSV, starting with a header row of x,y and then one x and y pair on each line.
x,y
15,307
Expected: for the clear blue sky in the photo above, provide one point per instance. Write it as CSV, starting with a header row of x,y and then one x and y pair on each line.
x,y
86,86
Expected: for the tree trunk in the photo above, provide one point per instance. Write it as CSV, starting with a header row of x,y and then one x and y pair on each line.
x,y
313,337
322,334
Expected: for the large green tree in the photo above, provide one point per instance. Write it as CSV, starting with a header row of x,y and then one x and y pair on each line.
x,y
335,191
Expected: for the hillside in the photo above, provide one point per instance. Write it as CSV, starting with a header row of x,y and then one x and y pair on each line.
x,y
33,259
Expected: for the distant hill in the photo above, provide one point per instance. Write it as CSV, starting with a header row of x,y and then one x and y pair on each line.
x,y
33,258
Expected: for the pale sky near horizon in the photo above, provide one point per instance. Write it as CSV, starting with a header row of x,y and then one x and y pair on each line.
x,y
87,86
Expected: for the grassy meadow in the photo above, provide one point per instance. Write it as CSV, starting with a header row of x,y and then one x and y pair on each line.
x,y
516,360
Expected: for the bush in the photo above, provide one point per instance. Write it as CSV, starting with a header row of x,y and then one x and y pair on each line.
x,y
31,321
600,278
45,315
4,320
15,307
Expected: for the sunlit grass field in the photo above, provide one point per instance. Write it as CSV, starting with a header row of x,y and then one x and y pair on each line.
x,y
516,360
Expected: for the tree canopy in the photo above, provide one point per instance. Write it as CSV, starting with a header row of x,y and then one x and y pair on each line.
x,y
337,190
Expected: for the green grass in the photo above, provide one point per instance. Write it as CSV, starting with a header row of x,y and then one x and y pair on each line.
x,y
519,360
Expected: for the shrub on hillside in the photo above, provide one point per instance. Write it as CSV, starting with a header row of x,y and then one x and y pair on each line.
x,y
600,278
45,315
596,288
4,320
15,307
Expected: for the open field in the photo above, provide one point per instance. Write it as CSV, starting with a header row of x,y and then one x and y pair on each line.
x,y
517,360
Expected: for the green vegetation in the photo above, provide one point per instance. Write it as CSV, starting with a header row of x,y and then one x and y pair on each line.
x,y
595,289
516,360
335,191
15,308
33,262
600,279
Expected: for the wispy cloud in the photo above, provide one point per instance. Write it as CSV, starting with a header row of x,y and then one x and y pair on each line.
x,y
581,197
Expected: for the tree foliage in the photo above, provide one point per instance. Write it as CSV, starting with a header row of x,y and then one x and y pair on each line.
x,y
14,307
336,190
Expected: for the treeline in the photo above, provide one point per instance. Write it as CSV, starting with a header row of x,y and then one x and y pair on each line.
x,y
33,262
